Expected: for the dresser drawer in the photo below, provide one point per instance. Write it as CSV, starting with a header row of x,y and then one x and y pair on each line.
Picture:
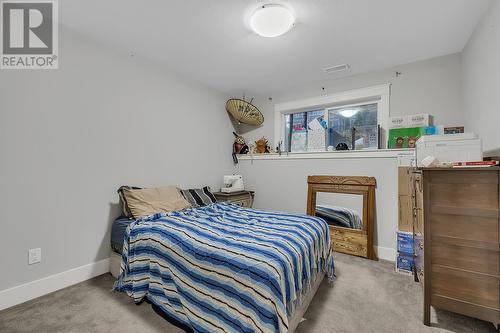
x,y
463,189
465,196
464,177
467,258
463,286
480,229
243,203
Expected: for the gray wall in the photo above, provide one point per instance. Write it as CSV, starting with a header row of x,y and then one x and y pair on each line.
x,y
282,185
481,77
432,86
70,137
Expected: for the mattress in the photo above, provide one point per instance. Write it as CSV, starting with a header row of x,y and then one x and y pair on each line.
x,y
118,232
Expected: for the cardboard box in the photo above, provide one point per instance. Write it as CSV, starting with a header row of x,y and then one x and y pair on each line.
x,y
419,120
405,213
405,199
405,186
398,122
414,120
404,137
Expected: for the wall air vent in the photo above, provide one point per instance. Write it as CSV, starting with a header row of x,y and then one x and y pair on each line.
x,y
336,69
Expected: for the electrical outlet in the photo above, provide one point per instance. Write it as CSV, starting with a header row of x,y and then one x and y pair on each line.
x,y
34,256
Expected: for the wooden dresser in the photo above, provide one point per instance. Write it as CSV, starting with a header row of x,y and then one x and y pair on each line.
x,y
462,251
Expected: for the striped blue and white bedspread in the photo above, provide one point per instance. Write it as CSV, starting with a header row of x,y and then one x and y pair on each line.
x,y
223,268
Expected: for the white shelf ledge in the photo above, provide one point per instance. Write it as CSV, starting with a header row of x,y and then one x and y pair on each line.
x,y
345,154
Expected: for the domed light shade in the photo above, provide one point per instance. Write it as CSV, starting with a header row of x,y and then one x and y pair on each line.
x,y
272,20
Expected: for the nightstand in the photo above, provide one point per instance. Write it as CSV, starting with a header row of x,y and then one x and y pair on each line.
x,y
241,198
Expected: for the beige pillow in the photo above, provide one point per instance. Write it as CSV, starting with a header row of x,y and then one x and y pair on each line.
x,y
149,201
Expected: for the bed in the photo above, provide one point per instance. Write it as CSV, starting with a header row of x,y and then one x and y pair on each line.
x,y
224,268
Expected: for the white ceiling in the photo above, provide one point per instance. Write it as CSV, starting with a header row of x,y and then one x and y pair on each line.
x,y
208,41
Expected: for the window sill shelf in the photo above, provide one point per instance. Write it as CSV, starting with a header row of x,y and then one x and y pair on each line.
x,y
347,154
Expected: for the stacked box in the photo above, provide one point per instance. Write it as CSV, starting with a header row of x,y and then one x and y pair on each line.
x,y
398,122
405,263
410,222
414,120
405,137
405,242
404,131
405,260
405,192
419,120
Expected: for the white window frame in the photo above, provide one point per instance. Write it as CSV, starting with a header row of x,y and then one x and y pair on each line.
x,y
379,94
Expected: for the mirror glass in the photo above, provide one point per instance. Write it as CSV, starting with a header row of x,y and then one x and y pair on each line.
x,y
339,209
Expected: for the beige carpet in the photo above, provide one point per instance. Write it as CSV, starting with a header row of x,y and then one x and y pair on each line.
x,y
366,297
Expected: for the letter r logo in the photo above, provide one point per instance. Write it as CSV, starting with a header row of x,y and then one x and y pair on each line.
x,y
27,27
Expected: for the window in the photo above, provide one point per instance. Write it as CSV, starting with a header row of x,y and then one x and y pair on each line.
x,y
324,129
356,118
356,126
305,131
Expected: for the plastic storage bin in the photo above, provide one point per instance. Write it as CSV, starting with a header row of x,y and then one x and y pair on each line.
x,y
405,263
405,242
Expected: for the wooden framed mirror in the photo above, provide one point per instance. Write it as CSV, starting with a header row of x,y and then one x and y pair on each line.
x,y
348,234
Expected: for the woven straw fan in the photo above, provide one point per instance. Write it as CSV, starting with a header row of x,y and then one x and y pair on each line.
x,y
244,112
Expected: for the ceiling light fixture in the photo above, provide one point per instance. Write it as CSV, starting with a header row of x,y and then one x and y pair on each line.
x,y
272,20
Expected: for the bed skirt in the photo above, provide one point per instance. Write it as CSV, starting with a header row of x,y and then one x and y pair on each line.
x,y
295,319
115,261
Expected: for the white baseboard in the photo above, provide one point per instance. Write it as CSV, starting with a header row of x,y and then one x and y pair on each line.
x,y
25,292
28,291
386,253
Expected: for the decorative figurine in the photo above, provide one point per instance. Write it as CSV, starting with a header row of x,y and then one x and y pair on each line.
x,y
412,142
399,142
262,146
239,147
